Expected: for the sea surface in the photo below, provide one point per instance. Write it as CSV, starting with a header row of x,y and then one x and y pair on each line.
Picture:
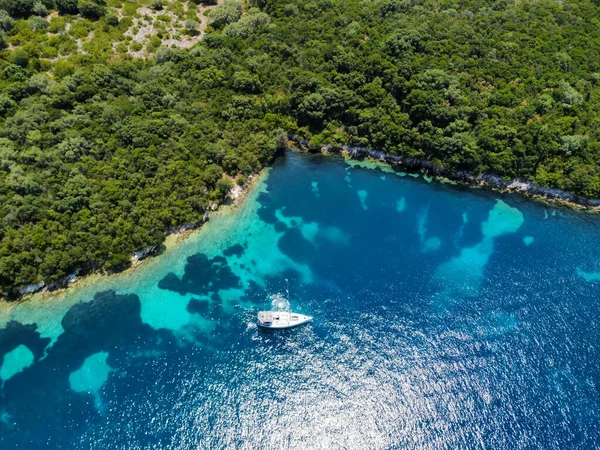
x,y
444,318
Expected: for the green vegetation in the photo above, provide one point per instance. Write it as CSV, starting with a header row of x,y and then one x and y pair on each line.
x,y
109,136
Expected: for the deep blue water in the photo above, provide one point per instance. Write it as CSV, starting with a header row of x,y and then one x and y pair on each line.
x,y
445,317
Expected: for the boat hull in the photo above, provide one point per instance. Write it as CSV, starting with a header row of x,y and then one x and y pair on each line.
x,y
281,321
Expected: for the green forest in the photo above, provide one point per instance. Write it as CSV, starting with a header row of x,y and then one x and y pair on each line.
x,y
121,119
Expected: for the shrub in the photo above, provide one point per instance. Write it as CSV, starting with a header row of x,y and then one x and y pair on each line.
x,y
63,69
241,180
157,5
163,55
112,20
57,24
49,52
14,73
21,57
191,27
38,23
244,27
153,44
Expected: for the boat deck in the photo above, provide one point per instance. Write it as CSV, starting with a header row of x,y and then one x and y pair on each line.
x,y
281,319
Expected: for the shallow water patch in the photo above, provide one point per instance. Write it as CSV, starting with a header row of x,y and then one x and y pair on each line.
x,y
91,376
427,244
313,232
461,276
431,244
401,205
309,230
369,164
528,240
15,361
362,196
497,324
315,188
590,277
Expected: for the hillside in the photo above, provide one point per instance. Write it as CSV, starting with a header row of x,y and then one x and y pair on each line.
x,y
120,119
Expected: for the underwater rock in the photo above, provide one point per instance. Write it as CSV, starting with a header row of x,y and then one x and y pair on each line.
x,y
461,276
16,333
201,276
196,306
234,250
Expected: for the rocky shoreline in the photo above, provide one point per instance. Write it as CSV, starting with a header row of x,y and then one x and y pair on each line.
x,y
516,185
489,181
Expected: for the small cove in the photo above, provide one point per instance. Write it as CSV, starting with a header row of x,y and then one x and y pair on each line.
x,y
443,316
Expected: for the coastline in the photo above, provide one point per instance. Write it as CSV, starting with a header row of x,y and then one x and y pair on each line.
x,y
483,181
174,237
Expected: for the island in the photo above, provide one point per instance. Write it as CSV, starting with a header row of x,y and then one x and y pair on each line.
x,y
123,120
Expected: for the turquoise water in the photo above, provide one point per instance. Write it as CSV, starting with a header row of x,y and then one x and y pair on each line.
x,y
445,317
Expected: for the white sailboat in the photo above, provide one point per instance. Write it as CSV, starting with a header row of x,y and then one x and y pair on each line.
x,y
280,317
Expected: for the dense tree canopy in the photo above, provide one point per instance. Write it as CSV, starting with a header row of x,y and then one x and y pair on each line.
x,y
101,153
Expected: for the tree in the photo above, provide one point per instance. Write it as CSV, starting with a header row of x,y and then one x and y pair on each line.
x,y
312,108
245,82
192,27
19,8
100,155
20,57
112,20
90,9
157,5
39,9
6,22
224,187
38,23
67,6
228,12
